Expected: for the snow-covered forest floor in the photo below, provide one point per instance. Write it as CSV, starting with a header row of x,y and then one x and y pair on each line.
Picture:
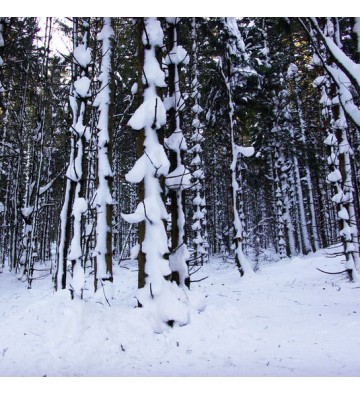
x,y
289,319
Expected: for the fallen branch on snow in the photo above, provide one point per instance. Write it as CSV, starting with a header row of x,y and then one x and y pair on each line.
x,y
323,271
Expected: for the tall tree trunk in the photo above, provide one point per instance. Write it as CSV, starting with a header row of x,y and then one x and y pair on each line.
x,y
150,168
179,177
103,201
199,224
75,203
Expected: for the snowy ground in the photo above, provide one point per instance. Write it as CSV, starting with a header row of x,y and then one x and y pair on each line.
x,y
287,320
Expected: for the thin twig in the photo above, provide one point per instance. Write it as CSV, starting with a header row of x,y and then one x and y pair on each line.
x,y
102,284
201,279
323,271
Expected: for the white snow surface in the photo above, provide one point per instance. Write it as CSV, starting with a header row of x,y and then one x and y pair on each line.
x,y
288,319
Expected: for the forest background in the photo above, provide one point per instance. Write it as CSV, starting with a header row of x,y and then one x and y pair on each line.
x,y
284,52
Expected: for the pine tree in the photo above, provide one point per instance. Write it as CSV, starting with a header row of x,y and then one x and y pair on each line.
x,y
178,179
197,138
339,67
3,114
103,199
75,204
154,270
293,74
235,48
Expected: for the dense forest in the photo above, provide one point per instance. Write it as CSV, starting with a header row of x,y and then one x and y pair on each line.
x,y
169,140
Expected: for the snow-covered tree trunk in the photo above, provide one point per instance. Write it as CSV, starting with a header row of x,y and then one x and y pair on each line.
x,y
32,248
305,239
328,222
293,175
199,203
293,73
139,91
234,45
27,208
343,71
13,263
178,179
60,281
34,171
17,169
103,199
80,91
283,167
339,160
3,137
2,87
65,229
341,178
279,207
164,300
90,189
45,204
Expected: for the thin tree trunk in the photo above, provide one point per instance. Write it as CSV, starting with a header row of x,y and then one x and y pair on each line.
x,y
104,101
